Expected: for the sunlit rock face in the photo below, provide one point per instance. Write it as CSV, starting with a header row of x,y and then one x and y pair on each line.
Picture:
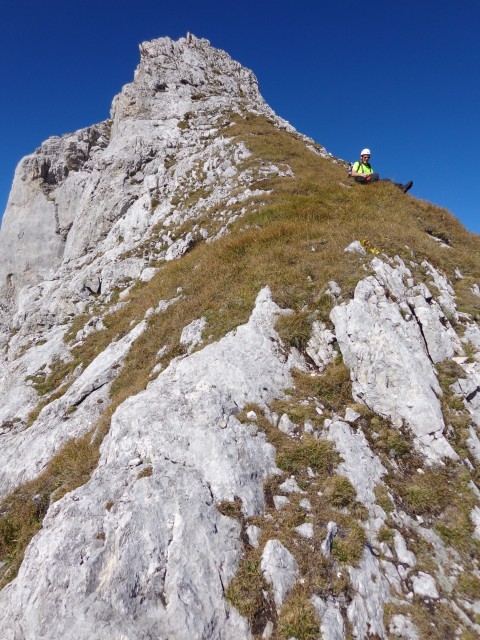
x,y
391,346
82,202
78,194
165,552
188,496
77,206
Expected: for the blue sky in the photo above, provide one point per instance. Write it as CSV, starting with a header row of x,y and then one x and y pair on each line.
x,y
399,77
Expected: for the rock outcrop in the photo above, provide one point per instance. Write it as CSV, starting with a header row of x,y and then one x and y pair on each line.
x,y
183,430
391,335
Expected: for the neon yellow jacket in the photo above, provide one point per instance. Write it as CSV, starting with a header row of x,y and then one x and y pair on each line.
x,y
362,167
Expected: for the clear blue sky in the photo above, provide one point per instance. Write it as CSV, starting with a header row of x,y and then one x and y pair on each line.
x,y
402,78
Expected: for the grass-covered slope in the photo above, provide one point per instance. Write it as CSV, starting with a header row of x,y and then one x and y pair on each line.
x,y
291,238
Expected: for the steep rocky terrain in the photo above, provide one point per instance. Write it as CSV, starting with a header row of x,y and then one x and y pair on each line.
x,y
240,393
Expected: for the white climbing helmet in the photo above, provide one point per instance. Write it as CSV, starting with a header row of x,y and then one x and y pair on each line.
x,y
365,152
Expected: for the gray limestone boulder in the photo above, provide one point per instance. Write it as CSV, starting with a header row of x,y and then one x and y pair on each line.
x,y
360,465
319,347
280,570
402,627
332,625
424,586
390,353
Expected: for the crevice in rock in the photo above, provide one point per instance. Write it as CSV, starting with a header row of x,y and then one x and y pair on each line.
x,y
86,394
164,594
221,581
472,394
368,545
212,497
94,287
59,230
10,286
420,326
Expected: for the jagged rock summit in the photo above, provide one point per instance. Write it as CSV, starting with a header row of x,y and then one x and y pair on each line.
x,y
88,188
84,201
240,393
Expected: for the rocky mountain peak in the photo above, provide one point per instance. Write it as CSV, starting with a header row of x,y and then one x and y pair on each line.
x,y
240,393
165,136
173,74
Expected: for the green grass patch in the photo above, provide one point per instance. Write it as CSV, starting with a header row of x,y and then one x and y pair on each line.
x,y
442,496
348,546
469,587
60,370
319,455
386,534
298,618
246,592
383,498
340,492
333,388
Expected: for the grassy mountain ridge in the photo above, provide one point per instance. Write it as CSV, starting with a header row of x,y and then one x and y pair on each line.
x,y
291,238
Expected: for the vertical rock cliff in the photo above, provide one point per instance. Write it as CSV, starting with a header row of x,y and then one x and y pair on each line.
x,y
240,393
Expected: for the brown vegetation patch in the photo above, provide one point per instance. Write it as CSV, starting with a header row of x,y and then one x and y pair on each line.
x,y
23,510
298,618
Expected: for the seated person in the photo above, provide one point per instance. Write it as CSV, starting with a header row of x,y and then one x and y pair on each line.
x,y
362,172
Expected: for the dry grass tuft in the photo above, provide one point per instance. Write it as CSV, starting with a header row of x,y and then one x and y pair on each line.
x,y
298,619
295,456
333,388
383,498
146,472
444,498
295,330
348,546
340,492
247,593
469,587
22,511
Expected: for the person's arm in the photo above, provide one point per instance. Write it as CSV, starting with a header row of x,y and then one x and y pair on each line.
x,y
354,172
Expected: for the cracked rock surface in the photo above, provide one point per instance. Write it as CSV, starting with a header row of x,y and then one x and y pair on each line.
x,y
158,559
391,335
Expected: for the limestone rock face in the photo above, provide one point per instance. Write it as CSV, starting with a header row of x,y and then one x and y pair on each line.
x,y
51,186
157,560
332,625
372,592
84,201
26,452
96,192
391,335
363,469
